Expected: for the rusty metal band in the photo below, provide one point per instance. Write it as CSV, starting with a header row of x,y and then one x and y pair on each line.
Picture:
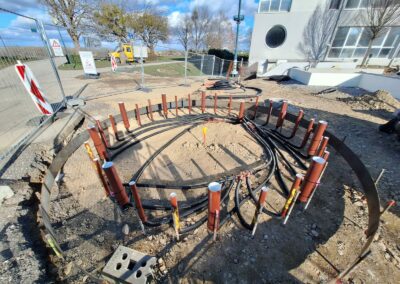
x,y
350,157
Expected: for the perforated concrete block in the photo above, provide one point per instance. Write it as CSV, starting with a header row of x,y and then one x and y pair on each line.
x,y
129,266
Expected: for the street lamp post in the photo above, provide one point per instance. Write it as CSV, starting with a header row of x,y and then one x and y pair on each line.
x,y
238,19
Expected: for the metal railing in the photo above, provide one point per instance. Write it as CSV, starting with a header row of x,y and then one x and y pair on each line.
x,y
24,40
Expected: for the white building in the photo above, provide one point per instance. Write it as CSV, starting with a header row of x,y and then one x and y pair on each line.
x,y
331,30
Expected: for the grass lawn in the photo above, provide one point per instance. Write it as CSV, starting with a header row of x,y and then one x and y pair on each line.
x,y
166,58
78,65
170,70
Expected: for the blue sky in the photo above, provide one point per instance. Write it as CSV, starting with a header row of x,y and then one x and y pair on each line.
x,y
16,30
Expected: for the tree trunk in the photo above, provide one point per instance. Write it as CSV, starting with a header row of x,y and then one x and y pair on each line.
x,y
75,40
152,53
364,61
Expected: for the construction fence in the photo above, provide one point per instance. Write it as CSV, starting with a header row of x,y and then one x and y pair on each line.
x,y
42,84
24,40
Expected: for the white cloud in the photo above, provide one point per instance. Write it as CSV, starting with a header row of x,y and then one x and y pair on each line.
x,y
174,18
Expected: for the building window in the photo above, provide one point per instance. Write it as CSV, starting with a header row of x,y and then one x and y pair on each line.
x,y
274,6
335,4
352,42
356,4
276,36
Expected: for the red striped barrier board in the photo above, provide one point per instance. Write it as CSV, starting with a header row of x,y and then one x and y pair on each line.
x,y
32,87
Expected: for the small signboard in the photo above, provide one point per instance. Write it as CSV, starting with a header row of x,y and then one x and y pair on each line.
x,y
56,46
140,51
89,67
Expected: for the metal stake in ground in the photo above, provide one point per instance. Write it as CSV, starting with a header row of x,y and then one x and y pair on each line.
x,y
98,144
124,115
175,214
260,206
204,130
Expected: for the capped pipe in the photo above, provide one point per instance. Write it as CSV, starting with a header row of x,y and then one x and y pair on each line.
x,y
189,104
271,104
214,199
103,181
255,108
308,133
102,134
164,105
150,110
317,138
316,186
311,179
203,102
282,114
98,144
323,146
241,111
293,191
176,105
138,202
113,125
297,123
116,185
124,115
138,115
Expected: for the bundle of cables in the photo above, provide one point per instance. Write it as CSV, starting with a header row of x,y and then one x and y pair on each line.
x,y
222,85
277,150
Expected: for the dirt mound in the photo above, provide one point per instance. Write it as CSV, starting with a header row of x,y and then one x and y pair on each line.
x,y
379,100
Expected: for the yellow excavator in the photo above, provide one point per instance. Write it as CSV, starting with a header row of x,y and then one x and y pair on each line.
x,y
123,53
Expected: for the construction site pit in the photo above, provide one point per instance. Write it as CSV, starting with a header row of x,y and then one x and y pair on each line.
x,y
181,152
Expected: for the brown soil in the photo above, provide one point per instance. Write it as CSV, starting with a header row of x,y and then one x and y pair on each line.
x,y
311,248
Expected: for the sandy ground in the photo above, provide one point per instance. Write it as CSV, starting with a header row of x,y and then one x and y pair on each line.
x,y
313,247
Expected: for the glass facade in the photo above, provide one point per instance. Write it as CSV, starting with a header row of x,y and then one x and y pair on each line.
x,y
274,6
356,4
352,42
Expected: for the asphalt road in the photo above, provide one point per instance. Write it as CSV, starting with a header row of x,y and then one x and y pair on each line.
x,y
18,114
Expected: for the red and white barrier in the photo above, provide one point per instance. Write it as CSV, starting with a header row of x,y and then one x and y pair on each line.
x,y
32,86
114,65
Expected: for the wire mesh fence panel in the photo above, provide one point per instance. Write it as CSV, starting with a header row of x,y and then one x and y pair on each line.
x,y
30,88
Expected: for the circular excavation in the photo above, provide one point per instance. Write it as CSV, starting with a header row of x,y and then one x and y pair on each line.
x,y
213,190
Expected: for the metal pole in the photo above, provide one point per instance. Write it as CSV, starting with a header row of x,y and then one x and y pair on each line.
x,y
39,25
213,64
201,65
238,20
141,65
222,67
186,59
63,43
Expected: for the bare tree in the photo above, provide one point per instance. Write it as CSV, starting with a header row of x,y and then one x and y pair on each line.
x,y
379,15
70,14
183,31
317,33
201,21
220,35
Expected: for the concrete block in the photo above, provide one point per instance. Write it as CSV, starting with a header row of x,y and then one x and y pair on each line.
x,y
129,266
